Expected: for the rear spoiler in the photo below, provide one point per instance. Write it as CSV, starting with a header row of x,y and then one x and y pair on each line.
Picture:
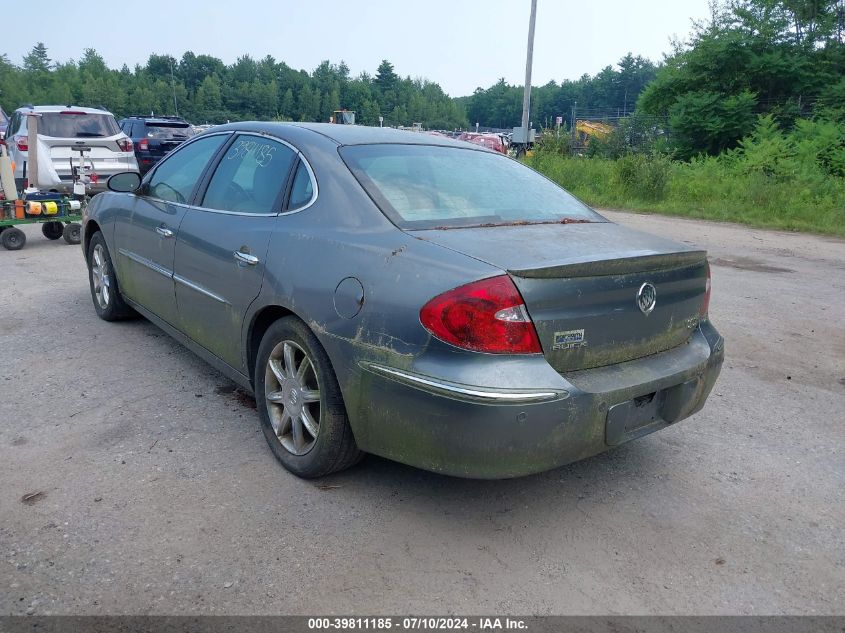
x,y
631,263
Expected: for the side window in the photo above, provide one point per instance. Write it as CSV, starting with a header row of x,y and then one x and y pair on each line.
x,y
14,124
250,177
175,178
302,190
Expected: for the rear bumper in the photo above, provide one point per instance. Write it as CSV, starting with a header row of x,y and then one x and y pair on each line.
x,y
481,432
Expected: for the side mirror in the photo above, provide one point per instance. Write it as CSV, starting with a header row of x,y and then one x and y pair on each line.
x,y
124,182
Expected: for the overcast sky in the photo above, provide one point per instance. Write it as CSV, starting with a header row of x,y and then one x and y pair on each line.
x,y
460,44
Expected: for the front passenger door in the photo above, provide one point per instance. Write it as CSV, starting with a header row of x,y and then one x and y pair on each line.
x,y
222,243
146,239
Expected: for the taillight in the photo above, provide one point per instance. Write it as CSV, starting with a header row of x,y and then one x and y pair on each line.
x,y
23,143
125,144
143,145
483,316
705,304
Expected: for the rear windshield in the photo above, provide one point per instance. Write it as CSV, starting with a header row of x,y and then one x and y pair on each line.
x,y
424,186
72,125
169,131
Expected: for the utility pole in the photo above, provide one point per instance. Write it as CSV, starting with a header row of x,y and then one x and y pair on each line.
x,y
529,60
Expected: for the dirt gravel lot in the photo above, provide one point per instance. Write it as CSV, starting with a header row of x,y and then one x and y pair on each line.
x,y
154,490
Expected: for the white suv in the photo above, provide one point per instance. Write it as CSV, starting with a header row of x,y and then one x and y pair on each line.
x,y
61,129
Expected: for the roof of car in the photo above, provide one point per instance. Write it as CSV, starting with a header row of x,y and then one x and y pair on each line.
x,y
158,118
348,134
63,108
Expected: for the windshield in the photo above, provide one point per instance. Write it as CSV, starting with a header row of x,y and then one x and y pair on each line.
x,y
76,125
423,186
169,131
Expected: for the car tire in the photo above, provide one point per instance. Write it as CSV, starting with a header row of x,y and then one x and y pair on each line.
x,y
300,404
53,230
72,233
13,239
105,293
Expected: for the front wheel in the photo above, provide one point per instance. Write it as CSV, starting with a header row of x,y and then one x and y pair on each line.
x,y
299,401
105,292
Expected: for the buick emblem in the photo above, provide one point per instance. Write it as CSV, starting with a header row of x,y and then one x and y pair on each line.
x,y
646,298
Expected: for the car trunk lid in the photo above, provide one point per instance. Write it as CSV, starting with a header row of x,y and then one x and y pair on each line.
x,y
581,284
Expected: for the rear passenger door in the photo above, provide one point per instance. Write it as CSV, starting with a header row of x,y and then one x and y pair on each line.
x,y
222,243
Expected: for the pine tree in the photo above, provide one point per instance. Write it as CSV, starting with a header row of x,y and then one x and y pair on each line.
x,y
37,60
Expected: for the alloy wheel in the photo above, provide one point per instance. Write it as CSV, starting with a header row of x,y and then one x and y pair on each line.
x,y
292,392
100,276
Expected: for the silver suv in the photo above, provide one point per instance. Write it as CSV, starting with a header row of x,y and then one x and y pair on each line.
x,y
61,129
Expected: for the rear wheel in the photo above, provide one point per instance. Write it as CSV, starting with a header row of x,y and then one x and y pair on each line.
x,y
299,401
105,292
52,230
72,233
13,239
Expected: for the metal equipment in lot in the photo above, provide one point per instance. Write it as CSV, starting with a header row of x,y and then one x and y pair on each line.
x,y
59,214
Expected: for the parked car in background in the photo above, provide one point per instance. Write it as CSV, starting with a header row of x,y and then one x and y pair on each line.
x,y
490,141
4,123
62,130
203,127
416,297
155,137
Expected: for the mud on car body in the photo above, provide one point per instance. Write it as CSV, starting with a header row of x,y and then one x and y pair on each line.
x,y
406,295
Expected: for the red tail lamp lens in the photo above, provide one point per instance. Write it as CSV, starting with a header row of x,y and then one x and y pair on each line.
x,y
483,316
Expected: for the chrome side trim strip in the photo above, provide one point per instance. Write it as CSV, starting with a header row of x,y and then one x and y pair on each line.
x,y
161,270
199,289
462,392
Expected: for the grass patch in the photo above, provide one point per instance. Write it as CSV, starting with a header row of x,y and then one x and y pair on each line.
x,y
715,188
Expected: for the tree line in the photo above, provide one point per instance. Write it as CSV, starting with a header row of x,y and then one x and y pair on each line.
x,y
612,92
784,58
204,89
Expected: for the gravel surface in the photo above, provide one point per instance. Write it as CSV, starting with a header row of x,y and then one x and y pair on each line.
x,y
135,478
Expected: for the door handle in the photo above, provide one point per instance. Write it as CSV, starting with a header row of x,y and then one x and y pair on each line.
x,y
246,258
164,231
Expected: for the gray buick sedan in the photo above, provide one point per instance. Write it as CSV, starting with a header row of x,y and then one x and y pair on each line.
x,y
406,295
